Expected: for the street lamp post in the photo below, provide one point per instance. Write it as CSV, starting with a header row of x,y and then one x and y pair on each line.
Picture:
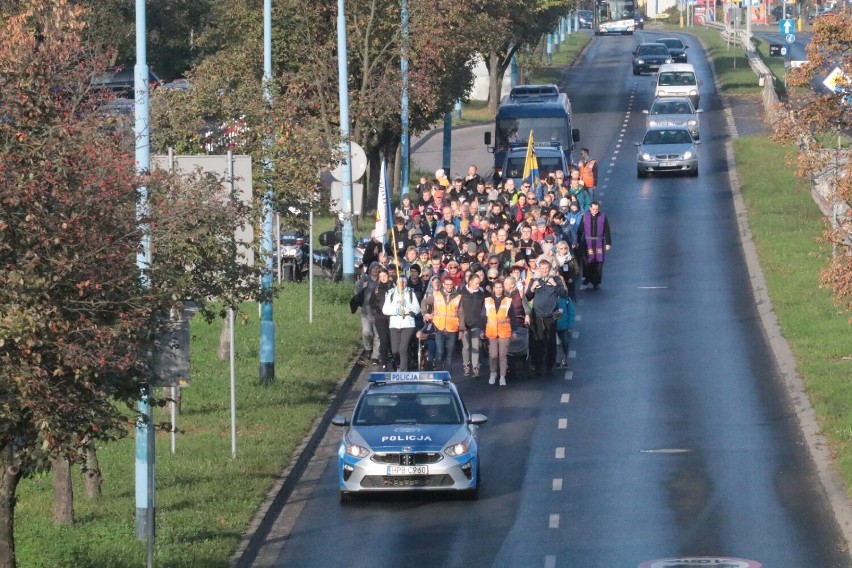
x,y
404,151
346,143
267,323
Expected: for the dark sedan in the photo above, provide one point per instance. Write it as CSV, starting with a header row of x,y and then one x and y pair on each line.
x,y
676,48
649,56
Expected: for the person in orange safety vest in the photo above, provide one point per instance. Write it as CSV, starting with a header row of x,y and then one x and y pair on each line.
x,y
499,328
588,170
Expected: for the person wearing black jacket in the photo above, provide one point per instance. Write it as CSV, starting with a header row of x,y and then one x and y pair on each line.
x,y
471,323
382,321
543,291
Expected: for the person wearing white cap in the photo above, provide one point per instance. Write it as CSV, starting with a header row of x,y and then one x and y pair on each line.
x,y
441,176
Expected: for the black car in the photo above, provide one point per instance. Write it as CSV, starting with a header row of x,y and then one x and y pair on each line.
x,y
676,47
584,18
649,57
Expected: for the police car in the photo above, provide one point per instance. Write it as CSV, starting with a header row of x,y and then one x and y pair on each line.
x,y
409,432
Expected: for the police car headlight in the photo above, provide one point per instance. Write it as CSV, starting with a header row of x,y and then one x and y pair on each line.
x,y
693,92
668,60
653,123
691,122
357,451
687,155
458,449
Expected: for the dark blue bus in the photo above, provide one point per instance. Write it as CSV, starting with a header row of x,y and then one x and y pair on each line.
x,y
542,109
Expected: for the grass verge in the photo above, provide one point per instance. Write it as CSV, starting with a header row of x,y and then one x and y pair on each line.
x,y
204,498
786,225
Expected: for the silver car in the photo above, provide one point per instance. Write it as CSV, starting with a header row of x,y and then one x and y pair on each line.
x,y
409,432
667,149
674,111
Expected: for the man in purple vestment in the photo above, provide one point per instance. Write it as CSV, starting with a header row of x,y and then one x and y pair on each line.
x,y
595,240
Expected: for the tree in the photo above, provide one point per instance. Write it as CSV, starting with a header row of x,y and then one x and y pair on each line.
x,y
73,308
817,122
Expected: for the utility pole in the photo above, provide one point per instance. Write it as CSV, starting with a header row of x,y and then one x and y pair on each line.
x,y
346,144
144,469
267,322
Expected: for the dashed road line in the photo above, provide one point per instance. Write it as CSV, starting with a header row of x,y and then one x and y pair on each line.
x,y
553,521
563,424
566,398
557,484
560,453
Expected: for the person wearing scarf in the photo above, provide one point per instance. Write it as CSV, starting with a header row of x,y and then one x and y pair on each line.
x,y
595,240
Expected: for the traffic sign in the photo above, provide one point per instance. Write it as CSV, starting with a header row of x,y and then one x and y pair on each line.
x,y
786,26
791,38
777,50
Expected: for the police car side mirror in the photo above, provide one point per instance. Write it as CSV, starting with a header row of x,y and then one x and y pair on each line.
x,y
699,110
575,134
645,111
340,421
488,139
477,419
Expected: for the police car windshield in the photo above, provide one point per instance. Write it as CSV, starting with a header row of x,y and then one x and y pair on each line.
x,y
407,408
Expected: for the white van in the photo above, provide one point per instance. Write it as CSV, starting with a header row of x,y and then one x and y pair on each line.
x,y
677,80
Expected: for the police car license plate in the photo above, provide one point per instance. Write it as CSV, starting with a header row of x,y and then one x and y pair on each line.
x,y
667,164
408,470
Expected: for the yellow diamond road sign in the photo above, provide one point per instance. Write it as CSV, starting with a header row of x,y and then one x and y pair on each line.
x,y
833,78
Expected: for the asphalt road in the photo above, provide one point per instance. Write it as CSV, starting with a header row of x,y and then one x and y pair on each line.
x,y
669,437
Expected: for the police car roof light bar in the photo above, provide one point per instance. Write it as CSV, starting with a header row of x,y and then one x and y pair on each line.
x,y
412,377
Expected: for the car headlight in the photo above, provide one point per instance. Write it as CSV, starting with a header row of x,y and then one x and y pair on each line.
x,y
653,123
693,92
646,156
687,155
668,60
458,449
691,122
356,451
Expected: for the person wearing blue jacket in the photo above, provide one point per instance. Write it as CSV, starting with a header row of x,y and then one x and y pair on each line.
x,y
564,326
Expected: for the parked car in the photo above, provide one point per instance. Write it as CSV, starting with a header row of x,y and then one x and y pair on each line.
x,y
650,56
667,149
677,48
673,111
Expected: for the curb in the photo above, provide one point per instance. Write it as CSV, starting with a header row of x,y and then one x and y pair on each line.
x,y
832,484
264,518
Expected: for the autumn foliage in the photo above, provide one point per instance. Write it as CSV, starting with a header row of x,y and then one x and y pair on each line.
x,y
819,121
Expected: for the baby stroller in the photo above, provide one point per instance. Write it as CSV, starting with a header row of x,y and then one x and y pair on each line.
x,y
518,357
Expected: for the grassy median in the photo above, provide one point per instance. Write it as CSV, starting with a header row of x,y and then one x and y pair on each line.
x,y
204,497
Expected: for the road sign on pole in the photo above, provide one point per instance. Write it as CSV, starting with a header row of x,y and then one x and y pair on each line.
x,y
791,38
786,26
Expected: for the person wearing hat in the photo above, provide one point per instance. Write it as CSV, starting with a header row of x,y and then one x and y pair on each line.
x,y
543,291
441,178
542,229
439,199
417,285
442,309
430,222
418,226
365,287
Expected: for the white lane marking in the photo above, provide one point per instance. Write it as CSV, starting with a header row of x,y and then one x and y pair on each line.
x,y
666,451
563,424
557,484
575,334
553,521
560,453
549,561
566,398
578,317
651,288
572,354
569,375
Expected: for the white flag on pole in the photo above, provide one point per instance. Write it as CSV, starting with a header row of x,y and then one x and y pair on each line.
x,y
381,206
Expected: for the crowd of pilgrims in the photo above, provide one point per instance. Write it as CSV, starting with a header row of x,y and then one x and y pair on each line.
x,y
493,268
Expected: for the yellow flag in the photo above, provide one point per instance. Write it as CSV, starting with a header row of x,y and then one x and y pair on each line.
x,y
531,163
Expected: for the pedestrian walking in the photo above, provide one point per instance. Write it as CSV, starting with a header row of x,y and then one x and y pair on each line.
x,y
564,326
381,320
499,328
401,306
543,292
595,240
471,323
442,308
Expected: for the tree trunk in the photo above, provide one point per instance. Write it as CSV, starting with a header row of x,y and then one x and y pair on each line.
x,y
10,475
223,350
92,473
495,81
63,492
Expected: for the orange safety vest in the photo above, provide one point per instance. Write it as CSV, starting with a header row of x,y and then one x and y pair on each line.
x,y
587,174
498,324
446,315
